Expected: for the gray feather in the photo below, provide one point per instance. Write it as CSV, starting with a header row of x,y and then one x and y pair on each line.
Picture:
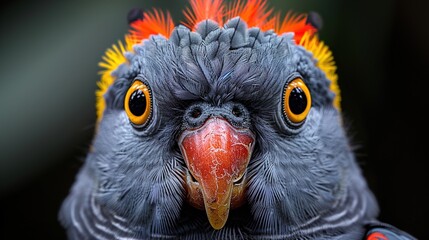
x,y
303,183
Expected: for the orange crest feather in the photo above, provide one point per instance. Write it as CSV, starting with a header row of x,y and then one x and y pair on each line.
x,y
296,23
203,9
254,12
155,22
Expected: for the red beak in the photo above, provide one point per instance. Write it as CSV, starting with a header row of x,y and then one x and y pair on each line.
x,y
217,155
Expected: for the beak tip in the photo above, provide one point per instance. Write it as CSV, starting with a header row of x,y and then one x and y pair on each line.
x,y
218,218
216,154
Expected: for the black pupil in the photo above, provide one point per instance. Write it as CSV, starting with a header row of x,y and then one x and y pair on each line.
x,y
137,102
297,101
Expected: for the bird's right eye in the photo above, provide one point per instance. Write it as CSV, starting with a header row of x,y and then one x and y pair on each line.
x,y
138,103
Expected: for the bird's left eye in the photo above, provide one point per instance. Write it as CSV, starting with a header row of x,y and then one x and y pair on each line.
x,y
138,104
296,101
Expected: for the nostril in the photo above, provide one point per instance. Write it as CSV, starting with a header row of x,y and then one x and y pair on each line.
x,y
195,115
196,112
237,111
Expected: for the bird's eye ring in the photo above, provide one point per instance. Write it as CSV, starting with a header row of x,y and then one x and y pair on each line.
x,y
296,101
138,103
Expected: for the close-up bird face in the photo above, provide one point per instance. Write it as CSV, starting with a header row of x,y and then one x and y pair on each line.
x,y
214,119
228,126
218,118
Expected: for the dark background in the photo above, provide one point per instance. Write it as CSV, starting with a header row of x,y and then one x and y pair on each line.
x,y
48,71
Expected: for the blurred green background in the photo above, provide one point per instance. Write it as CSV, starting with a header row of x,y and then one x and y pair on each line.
x,y
48,73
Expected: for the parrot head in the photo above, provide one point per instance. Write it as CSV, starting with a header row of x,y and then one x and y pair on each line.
x,y
227,122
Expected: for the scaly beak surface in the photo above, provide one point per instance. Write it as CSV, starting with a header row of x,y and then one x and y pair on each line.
x,y
217,155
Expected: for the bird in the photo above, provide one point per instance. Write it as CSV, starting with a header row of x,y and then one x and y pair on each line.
x,y
227,125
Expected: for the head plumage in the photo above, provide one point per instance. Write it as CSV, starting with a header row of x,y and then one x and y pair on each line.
x,y
255,13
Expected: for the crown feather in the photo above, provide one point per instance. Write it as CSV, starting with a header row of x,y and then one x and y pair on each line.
x,y
255,13
113,58
155,22
296,23
325,61
201,10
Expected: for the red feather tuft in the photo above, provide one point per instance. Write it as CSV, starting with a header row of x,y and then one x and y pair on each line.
x,y
254,12
296,23
201,10
155,22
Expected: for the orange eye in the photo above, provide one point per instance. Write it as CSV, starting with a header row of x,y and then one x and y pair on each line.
x,y
296,101
138,103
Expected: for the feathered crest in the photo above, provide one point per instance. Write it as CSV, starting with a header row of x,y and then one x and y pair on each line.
x,y
113,57
255,13
202,10
155,22
325,61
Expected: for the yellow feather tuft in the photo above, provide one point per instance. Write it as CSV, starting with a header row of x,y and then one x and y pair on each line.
x,y
325,61
112,59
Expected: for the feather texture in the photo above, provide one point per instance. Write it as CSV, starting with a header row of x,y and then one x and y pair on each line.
x,y
255,13
153,23
234,65
202,10
325,61
113,58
